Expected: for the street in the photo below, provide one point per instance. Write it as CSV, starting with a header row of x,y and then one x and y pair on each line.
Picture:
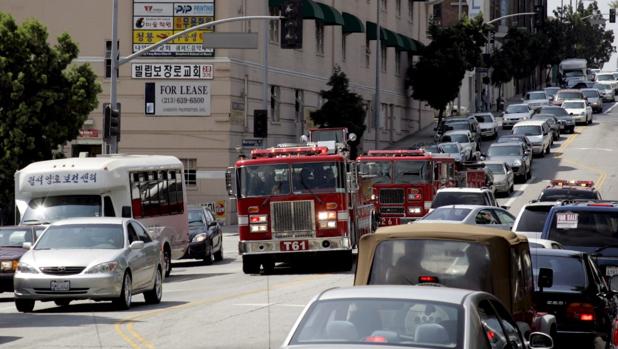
x,y
218,306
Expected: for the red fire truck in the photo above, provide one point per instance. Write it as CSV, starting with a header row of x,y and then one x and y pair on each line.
x,y
297,201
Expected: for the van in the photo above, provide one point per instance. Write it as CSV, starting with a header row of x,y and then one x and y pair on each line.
x,y
538,133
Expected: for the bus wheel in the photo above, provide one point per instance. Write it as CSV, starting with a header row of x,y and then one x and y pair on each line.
x,y
167,260
250,265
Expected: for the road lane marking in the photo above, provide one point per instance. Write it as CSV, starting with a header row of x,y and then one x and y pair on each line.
x,y
521,190
128,321
610,108
261,305
595,149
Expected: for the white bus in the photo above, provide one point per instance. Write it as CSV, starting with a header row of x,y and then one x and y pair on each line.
x,y
149,188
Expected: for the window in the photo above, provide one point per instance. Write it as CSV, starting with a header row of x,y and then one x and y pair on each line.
x,y
437,14
410,10
398,8
132,234
141,233
383,114
491,325
108,59
275,103
108,207
509,326
273,29
190,166
505,217
397,62
367,55
383,5
319,38
299,103
369,114
344,46
384,58
485,217
158,193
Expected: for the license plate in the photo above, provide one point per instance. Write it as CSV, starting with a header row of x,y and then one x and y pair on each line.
x,y
298,245
59,286
611,271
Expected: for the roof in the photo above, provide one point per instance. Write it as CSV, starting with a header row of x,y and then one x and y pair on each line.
x,y
456,132
519,104
542,203
91,220
505,144
109,162
555,252
462,190
423,293
471,207
496,162
588,205
530,123
463,232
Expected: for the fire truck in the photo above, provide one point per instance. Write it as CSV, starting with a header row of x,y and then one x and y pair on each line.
x,y
297,201
403,183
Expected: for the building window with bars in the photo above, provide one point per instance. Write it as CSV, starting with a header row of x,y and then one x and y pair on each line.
x,y
319,38
275,103
273,31
410,10
190,166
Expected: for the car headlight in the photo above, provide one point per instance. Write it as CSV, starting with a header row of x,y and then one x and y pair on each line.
x,y
414,210
517,163
103,268
7,266
199,237
25,268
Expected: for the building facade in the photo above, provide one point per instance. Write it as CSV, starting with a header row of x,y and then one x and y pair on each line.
x,y
197,103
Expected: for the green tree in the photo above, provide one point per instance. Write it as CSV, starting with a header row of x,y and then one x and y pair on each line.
x,y
44,99
436,77
342,108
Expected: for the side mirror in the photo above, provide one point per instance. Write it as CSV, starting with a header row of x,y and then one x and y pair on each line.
x,y
126,211
304,139
212,224
613,281
538,340
505,207
352,137
546,278
26,245
136,245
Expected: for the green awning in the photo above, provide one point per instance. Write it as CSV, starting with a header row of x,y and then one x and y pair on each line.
x,y
410,45
352,24
275,3
371,32
331,15
392,39
311,10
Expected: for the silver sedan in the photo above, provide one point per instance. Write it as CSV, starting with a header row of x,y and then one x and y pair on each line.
x,y
504,179
494,217
90,258
410,316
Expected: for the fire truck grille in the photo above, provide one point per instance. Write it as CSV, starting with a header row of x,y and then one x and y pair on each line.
x,y
391,196
292,219
391,210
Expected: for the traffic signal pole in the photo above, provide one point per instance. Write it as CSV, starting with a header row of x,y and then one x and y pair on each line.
x,y
110,146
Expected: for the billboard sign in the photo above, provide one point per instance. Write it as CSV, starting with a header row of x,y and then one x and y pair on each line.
x,y
177,98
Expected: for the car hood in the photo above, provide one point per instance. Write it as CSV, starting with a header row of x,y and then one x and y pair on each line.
x,y
10,253
486,125
516,115
69,258
508,159
575,111
593,99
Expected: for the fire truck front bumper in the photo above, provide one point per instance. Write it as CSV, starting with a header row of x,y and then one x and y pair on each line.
x,y
294,245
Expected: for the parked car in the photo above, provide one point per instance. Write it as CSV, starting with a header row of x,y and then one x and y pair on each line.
x,y
488,124
567,95
531,219
580,110
12,239
504,178
553,122
560,189
516,138
410,316
515,155
205,236
538,133
567,122
535,99
454,150
606,91
464,196
491,216
593,96
579,298
542,243
465,139
456,255
103,258
515,113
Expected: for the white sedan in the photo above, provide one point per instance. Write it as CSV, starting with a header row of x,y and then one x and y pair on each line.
x,y
579,109
515,113
408,316
488,124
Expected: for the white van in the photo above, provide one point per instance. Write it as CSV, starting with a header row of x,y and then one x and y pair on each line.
x,y
538,133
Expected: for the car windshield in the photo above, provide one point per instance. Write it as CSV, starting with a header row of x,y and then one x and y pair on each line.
x,y
529,130
591,93
585,228
458,264
505,150
14,237
458,198
327,135
517,109
196,217
365,321
551,91
82,236
573,105
432,148
484,118
457,138
567,194
605,77
510,139
496,168
448,214
537,95
573,73
450,148
533,218
556,111
460,125
53,208
570,95
569,272
603,86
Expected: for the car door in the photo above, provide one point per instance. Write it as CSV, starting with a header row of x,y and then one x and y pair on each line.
x,y
607,300
514,335
151,252
493,334
213,230
136,260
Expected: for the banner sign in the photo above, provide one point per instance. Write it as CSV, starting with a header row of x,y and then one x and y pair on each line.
x,y
177,98
172,71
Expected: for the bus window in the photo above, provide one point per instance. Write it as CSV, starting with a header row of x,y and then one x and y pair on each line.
x,y
163,194
136,201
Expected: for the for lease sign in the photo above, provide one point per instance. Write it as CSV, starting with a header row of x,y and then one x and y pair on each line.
x,y
178,98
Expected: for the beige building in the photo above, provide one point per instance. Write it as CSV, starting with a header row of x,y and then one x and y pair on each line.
x,y
200,108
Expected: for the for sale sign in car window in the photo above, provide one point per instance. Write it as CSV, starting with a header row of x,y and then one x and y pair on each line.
x,y
566,220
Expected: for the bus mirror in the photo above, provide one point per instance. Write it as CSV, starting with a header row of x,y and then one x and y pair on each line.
x,y
126,211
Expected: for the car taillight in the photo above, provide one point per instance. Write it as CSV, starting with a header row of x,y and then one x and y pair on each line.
x,y
376,339
427,278
615,334
580,311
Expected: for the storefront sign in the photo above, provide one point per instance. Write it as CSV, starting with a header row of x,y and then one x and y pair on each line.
x,y
177,98
155,20
172,71
89,133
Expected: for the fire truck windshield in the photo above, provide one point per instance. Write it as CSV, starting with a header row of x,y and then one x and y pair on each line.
x,y
325,136
297,178
401,171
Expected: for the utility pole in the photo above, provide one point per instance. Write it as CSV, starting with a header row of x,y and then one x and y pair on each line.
x,y
459,9
112,147
377,105
265,76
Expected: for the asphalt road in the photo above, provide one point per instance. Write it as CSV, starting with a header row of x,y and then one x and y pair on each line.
x,y
218,306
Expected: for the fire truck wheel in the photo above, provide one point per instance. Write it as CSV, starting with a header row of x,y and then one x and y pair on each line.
x,y
268,266
346,260
250,265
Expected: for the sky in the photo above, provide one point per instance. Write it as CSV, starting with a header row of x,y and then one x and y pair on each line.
x,y
604,7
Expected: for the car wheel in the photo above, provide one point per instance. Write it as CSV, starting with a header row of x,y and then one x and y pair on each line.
x,y
167,260
590,120
154,296
208,255
219,254
62,302
250,265
511,189
123,302
24,305
547,150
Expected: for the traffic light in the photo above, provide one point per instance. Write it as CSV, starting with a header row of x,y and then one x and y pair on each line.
x,y
260,123
539,16
111,122
292,24
612,15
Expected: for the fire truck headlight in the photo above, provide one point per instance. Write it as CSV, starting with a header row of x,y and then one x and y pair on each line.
x,y
413,196
327,215
328,224
258,228
414,210
373,196
259,218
